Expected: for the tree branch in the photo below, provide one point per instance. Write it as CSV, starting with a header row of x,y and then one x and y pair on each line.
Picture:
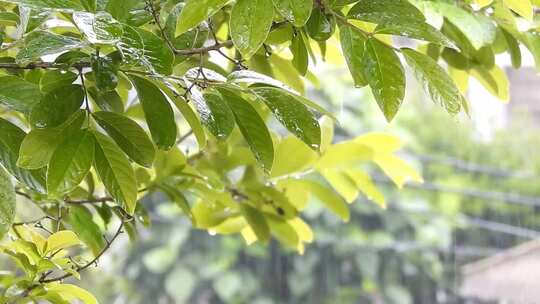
x,y
93,261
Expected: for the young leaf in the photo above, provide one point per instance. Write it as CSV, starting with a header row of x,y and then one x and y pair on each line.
x,y
57,106
252,127
18,94
61,240
216,115
197,11
384,73
296,11
115,172
129,136
440,87
70,163
158,112
250,24
7,202
294,115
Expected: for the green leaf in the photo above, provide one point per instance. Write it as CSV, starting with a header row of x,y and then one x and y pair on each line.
x,y
300,54
353,47
479,31
197,11
55,4
513,48
415,30
215,114
115,172
11,138
57,106
178,198
54,79
158,112
18,94
41,43
105,73
100,28
88,231
494,80
295,11
257,222
320,26
142,47
183,106
252,128
129,136
385,11
384,73
39,145
70,163
250,24
108,101
435,81
294,115
7,203
119,9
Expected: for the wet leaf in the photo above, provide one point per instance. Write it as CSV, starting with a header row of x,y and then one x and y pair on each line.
x,y
7,202
41,43
18,94
57,106
296,11
250,24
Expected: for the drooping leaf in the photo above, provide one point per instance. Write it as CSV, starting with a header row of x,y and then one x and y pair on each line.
x,y
70,163
18,93
320,26
294,115
57,106
384,73
216,114
300,54
7,202
11,138
414,29
250,24
252,127
295,11
197,11
80,219
257,222
129,136
68,5
39,145
144,48
188,113
41,43
108,100
55,79
99,28
385,11
115,172
105,73
435,81
119,9
158,112
353,46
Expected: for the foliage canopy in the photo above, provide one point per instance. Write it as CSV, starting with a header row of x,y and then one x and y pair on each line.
x,y
99,100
